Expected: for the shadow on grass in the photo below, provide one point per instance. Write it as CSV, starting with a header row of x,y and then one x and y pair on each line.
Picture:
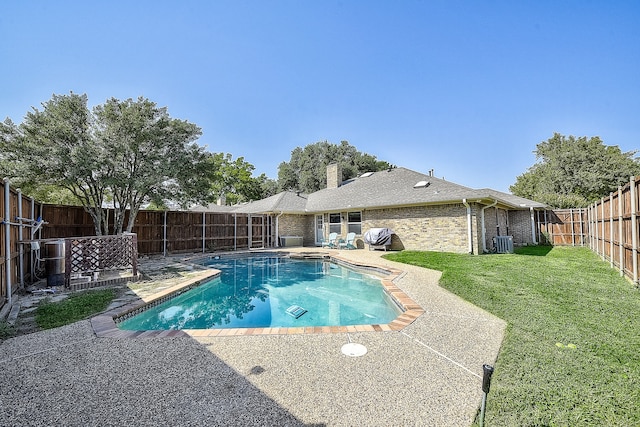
x,y
541,250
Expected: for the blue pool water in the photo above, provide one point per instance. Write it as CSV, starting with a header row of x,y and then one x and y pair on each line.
x,y
258,291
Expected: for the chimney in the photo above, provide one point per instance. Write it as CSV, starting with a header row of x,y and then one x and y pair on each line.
x,y
222,200
334,175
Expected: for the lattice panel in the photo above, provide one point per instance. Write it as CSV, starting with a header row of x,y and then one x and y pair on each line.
x,y
90,254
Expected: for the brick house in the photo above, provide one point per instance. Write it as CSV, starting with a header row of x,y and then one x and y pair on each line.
x,y
425,212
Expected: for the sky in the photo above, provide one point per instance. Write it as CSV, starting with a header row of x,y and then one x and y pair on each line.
x,y
467,88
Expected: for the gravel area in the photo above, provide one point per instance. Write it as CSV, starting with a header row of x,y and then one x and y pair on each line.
x,y
428,374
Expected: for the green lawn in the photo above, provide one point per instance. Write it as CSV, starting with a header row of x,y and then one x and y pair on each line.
x,y
77,307
571,355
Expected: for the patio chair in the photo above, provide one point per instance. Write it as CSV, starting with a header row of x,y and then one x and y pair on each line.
x,y
331,242
349,242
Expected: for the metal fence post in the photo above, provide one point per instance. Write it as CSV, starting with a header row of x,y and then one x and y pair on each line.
x,y
634,228
164,235
7,242
620,232
611,229
20,239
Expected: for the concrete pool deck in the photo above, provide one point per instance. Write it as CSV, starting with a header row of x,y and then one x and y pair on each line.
x,y
427,374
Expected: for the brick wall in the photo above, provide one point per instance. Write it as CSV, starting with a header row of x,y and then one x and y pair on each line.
x,y
434,228
297,225
520,227
496,224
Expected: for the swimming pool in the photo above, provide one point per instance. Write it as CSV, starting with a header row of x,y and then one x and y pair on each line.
x,y
273,291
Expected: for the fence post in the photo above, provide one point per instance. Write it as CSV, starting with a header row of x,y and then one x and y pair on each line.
x,y
7,241
611,229
546,228
235,232
32,255
602,227
594,229
582,210
20,239
573,234
620,232
164,235
634,228
204,230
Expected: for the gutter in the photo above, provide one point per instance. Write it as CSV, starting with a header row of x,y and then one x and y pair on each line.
x,y
484,229
469,232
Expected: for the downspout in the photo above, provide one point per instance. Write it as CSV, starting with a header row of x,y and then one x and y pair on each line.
x,y
469,232
484,229
278,229
533,226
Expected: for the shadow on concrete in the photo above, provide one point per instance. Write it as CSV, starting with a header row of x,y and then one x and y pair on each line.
x,y
67,376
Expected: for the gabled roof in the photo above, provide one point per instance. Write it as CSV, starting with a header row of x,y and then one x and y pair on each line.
x,y
389,188
286,202
404,187
511,200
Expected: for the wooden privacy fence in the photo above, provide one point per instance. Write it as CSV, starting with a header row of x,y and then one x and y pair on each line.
x,y
609,227
25,222
19,223
563,227
167,232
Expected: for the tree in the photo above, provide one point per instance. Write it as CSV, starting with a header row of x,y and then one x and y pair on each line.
x,y
573,172
151,157
233,179
129,151
56,146
307,169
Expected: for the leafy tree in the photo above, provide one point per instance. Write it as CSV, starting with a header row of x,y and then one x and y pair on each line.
x,y
151,157
307,169
234,179
129,151
56,146
269,186
573,172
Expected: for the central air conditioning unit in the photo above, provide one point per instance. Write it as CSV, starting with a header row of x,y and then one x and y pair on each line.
x,y
503,244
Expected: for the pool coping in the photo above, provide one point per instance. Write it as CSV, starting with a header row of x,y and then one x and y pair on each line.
x,y
104,325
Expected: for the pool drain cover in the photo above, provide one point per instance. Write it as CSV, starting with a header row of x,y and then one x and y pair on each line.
x,y
296,311
354,350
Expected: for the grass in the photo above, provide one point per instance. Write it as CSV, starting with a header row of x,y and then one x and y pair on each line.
x,y
6,331
77,307
571,355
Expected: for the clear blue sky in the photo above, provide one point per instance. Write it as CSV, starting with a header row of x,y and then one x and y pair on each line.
x,y
467,88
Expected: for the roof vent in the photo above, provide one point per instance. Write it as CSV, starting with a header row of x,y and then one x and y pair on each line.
x,y
422,184
366,174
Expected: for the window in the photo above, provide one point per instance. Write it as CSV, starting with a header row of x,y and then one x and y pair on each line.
x,y
354,222
335,223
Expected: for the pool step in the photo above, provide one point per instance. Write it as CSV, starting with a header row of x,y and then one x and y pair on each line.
x,y
296,311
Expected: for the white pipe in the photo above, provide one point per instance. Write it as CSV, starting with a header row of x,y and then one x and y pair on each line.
x,y
204,231
7,241
484,229
278,229
533,226
469,231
